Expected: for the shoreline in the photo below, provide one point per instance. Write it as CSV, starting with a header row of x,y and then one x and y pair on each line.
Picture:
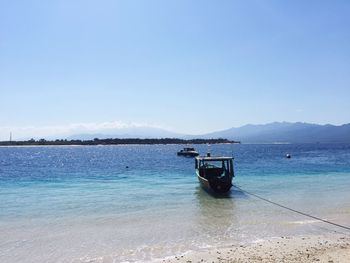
x,y
116,141
99,145
321,248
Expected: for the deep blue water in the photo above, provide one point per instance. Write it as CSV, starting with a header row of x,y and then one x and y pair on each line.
x,y
86,195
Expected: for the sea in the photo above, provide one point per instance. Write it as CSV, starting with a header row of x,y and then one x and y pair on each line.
x,y
141,203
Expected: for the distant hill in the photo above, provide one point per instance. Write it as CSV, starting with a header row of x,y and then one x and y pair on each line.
x,y
285,132
133,132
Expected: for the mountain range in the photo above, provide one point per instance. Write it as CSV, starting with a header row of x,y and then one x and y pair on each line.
x,y
276,132
286,132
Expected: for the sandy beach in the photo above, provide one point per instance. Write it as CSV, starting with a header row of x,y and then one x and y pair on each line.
x,y
330,249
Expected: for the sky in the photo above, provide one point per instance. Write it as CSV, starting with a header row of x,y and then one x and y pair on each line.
x,y
189,66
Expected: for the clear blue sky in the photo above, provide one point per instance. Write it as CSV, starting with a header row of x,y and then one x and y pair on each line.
x,y
190,66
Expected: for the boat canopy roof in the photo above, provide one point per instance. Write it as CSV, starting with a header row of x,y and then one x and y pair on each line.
x,y
188,149
213,158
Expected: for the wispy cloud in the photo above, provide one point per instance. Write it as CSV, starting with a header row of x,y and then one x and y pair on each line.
x,y
62,131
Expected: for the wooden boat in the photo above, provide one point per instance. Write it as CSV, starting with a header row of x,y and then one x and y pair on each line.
x,y
190,152
215,173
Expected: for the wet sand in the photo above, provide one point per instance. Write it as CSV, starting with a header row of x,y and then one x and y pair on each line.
x,y
330,249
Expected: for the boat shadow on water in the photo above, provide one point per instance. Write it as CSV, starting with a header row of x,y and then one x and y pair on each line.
x,y
234,193
219,216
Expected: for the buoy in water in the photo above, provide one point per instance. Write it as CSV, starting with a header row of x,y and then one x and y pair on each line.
x,y
288,156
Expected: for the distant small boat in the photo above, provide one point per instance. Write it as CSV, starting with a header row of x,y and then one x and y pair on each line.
x,y
215,173
190,152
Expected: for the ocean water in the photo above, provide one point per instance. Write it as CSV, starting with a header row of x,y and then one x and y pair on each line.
x,y
82,203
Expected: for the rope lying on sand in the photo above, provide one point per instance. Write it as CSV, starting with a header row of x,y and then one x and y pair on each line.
x,y
291,209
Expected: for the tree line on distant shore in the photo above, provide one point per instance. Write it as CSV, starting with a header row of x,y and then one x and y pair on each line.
x,y
115,141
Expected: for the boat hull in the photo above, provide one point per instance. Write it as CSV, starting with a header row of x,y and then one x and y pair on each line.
x,y
188,154
214,185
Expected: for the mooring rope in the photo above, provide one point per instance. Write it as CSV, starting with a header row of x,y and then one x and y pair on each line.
x,y
291,209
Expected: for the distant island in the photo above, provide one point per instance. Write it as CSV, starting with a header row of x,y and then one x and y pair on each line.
x,y
276,132
115,141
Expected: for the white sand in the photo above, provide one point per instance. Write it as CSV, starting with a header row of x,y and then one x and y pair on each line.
x,y
330,249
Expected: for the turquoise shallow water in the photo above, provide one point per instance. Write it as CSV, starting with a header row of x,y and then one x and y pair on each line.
x,y
81,204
